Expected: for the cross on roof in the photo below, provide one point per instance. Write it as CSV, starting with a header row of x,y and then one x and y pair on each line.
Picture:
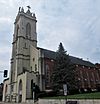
x,y
28,7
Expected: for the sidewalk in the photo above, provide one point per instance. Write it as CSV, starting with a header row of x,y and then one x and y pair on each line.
x,y
11,103
18,103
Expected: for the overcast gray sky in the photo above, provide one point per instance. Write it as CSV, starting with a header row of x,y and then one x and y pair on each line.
x,y
75,23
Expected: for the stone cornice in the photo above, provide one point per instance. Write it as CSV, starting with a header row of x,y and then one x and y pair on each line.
x,y
22,58
23,38
22,55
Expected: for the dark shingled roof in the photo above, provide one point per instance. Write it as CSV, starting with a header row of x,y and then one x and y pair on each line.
x,y
51,55
79,61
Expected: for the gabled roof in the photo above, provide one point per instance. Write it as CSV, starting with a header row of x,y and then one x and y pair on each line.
x,y
51,55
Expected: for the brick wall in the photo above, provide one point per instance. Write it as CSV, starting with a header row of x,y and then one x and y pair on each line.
x,y
88,77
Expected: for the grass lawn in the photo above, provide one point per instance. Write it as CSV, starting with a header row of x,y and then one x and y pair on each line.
x,y
95,95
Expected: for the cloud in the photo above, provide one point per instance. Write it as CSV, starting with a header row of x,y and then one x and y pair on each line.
x,y
74,23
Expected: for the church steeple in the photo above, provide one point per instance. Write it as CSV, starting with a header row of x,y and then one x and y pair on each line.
x,y
24,37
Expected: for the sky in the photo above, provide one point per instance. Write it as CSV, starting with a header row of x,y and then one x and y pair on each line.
x,y
75,23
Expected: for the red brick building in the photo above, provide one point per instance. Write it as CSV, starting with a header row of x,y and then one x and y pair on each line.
x,y
88,74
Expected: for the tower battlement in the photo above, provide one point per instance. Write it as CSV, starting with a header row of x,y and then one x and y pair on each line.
x,y
27,14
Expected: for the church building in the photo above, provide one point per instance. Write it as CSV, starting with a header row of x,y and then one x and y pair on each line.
x,y
31,64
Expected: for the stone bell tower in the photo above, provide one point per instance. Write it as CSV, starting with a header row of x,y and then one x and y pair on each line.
x,y
24,37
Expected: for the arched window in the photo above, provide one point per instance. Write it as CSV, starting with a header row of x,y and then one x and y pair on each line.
x,y
20,91
47,70
47,73
32,88
17,31
35,67
28,30
20,85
